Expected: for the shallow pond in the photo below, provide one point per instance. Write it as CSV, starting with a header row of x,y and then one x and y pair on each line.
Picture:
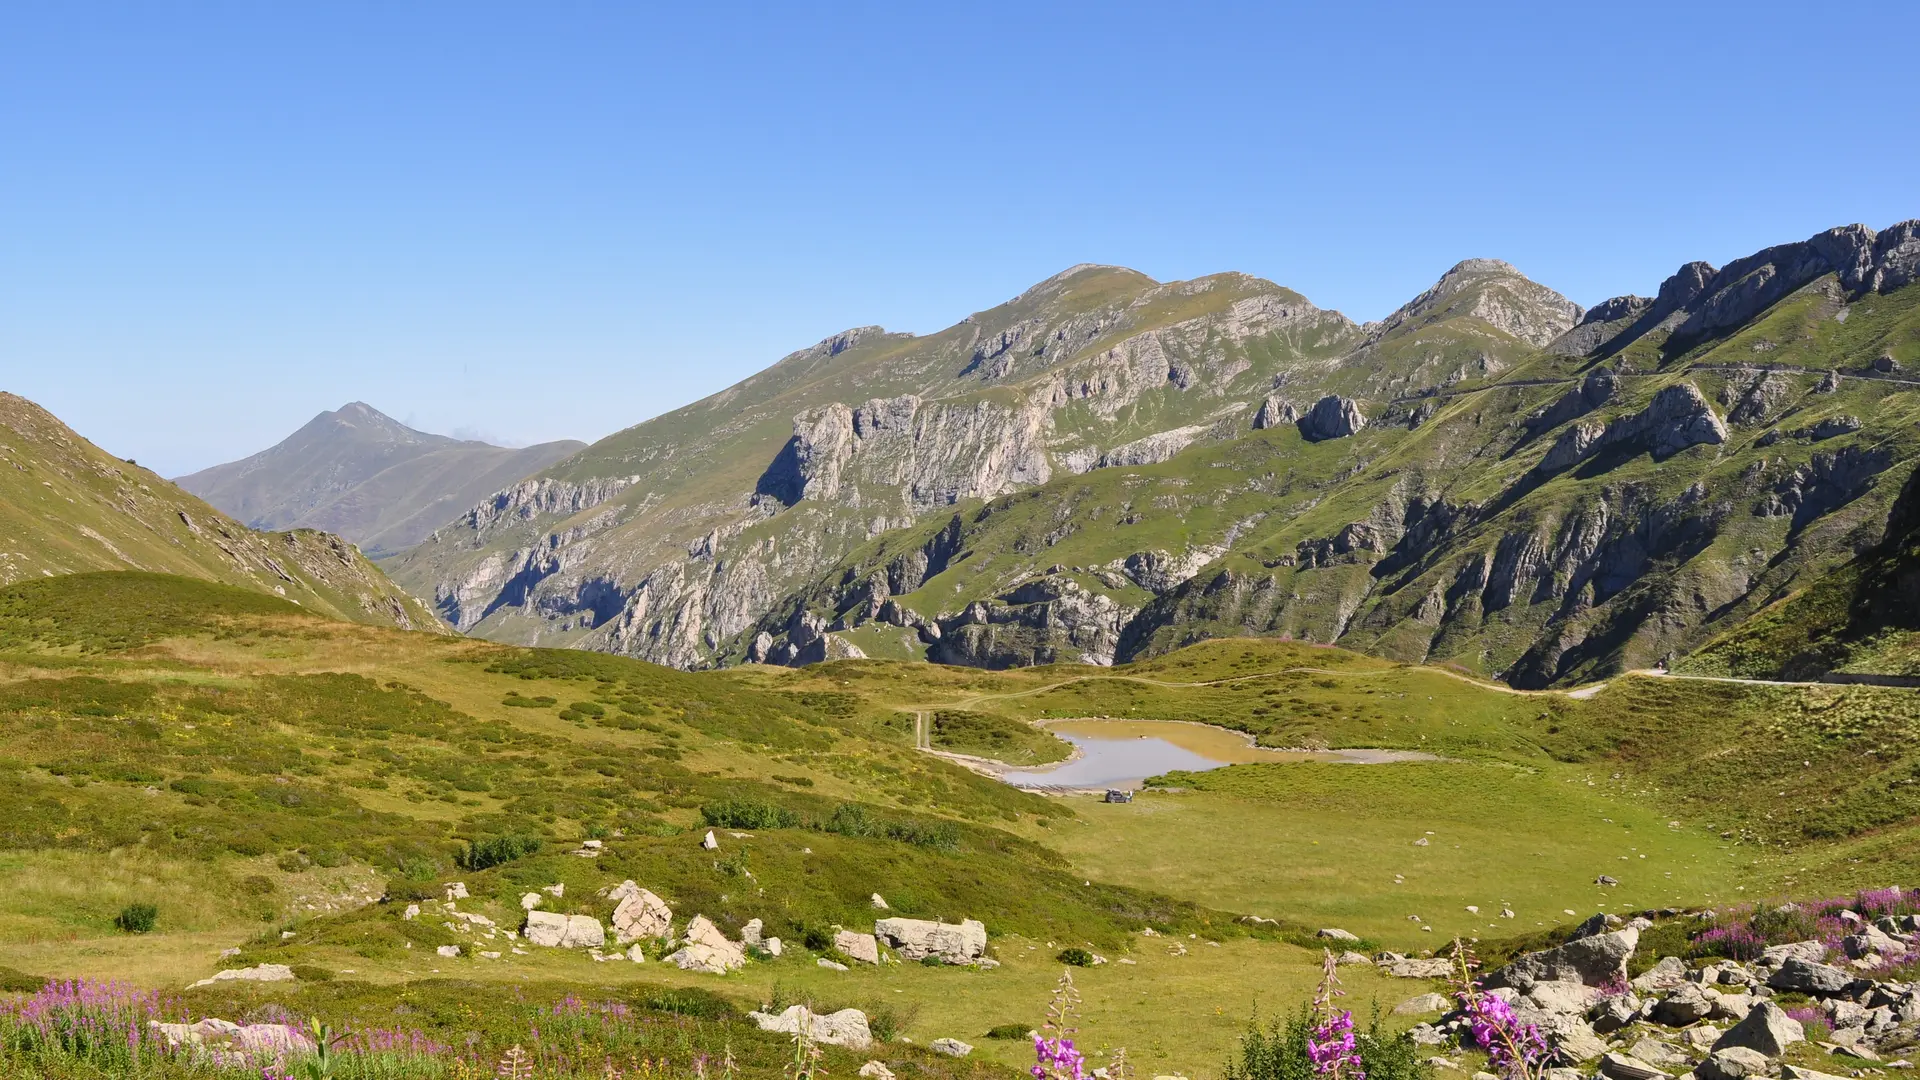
x,y
1122,753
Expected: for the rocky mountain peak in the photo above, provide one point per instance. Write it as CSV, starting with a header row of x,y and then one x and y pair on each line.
x,y
1495,293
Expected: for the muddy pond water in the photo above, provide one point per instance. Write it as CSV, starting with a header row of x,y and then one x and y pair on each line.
x,y
1122,753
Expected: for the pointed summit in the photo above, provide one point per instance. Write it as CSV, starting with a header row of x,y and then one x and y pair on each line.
x,y
1493,292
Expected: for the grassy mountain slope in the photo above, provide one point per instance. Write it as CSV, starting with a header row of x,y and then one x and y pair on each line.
x,y
668,540
1550,517
286,785
362,475
66,506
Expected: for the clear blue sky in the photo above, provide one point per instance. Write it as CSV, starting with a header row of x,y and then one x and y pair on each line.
x,y
537,221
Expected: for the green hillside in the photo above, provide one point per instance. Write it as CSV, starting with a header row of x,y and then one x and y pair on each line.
x,y
66,507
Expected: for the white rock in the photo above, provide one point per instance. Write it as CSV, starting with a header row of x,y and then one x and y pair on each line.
x,y
847,1028
556,931
640,914
557,890
916,939
879,902
857,946
451,952
456,890
709,842
707,949
831,965
874,1070
258,973
750,933
950,1047
412,912
774,946
636,955
530,901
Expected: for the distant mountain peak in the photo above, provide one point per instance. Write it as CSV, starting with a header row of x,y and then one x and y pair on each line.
x,y
1492,291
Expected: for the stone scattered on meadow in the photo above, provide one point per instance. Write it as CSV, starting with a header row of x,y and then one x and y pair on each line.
x,y
874,1070
706,949
1567,998
1670,972
1351,957
1807,977
709,842
638,914
857,946
753,933
1334,933
1811,951
227,1043
847,1028
1423,1004
556,931
451,952
879,902
917,939
1406,968
257,973
456,890
831,965
412,912
1659,1054
1595,961
1688,1003
530,901
1796,1072
950,1047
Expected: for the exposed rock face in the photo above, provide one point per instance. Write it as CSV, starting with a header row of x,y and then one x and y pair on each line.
x,y
1600,325
916,939
857,946
1274,411
256,973
1678,417
847,1028
1767,1029
1049,620
1155,448
225,1043
1332,417
1495,293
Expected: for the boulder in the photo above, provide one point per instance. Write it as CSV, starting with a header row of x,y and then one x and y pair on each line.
x,y
1334,933
1811,951
1659,1054
857,946
1688,1003
1570,1036
916,939
1615,1013
1274,411
257,973
1594,961
875,1070
1670,972
706,949
879,902
831,965
1565,998
1731,1007
1871,941
1806,977
227,1043
1423,1004
1351,957
1617,1066
950,1047
1733,1063
1767,1029
451,952
530,901
1332,417
774,946
753,933
1796,1072
847,1028
556,931
1418,969
456,890
709,842
639,914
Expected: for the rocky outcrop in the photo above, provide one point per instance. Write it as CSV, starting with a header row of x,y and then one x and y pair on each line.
x,y
1154,448
1678,417
1493,292
848,1027
1332,417
556,931
1601,324
704,948
1274,412
1591,961
1048,620
917,939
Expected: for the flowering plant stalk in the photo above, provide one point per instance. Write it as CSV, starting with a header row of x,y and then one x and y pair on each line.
x,y
1515,1050
1330,1042
1055,1057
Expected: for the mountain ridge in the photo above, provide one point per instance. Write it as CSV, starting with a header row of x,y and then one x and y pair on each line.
x,y
362,475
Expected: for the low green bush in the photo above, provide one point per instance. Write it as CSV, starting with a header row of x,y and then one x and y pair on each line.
x,y
1075,957
137,918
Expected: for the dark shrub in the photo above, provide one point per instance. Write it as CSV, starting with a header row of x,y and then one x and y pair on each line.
x,y
1009,1031
748,814
137,918
1075,957
493,850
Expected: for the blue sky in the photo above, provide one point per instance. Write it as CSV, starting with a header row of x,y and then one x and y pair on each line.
x,y
536,221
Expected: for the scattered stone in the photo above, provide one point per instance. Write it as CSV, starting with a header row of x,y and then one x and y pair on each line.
x,y
1767,1029
456,890
706,949
556,891
950,1047
226,1043
639,914
874,1070
1807,977
1564,998
451,952
1702,1037
1621,1067
1686,1004
1658,1054
916,939
1811,951
857,946
774,946
1615,1013
1351,957
847,1028
257,973
832,965
1595,961
879,902
1422,1005
1334,933
752,932
1797,1072
1607,880
1428,1035
557,931
637,954
1734,1007
1419,969
1733,1063
709,842
412,912
530,901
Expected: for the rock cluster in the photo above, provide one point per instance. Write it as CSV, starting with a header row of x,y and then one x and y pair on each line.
x,y
1717,1021
917,939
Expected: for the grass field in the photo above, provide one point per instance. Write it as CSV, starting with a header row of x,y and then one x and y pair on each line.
x,y
254,771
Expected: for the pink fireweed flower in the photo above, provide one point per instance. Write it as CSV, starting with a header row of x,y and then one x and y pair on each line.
x,y
1331,1045
1056,1059
1515,1050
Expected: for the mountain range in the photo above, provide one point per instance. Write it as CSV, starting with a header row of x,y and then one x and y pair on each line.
x,y
1106,467
364,476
